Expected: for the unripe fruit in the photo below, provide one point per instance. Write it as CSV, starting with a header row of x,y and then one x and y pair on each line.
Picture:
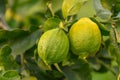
x,y
85,37
53,46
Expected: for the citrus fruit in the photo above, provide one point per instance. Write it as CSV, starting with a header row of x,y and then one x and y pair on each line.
x,y
53,46
85,37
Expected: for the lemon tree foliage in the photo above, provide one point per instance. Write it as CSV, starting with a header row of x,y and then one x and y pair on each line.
x,y
59,39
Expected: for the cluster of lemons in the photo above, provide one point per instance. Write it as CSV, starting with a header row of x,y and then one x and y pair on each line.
x,y
83,39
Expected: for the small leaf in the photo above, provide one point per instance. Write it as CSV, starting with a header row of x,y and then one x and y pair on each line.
x,y
78,71
10,75
6,59
19,46
71,7
100,11
103,28
103,76
51,23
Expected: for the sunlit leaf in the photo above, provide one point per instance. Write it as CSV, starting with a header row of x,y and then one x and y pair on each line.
x,y
103,76
85,11
10,75
71,7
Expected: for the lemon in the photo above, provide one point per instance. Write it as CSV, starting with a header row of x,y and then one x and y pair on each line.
x,y
85,37
53,46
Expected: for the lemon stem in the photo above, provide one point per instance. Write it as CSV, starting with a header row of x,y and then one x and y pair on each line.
x,y
48,66
57,67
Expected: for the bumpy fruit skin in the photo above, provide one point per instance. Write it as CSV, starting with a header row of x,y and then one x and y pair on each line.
x,y
85,37
53,46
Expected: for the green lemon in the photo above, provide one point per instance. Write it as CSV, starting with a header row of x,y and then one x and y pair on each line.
x,y
85,37
53,46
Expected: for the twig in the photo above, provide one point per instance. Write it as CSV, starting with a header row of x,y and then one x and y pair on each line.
x,y
50,8
22,61
57,67
3,25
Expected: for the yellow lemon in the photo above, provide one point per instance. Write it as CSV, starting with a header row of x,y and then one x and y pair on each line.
x,y
85,37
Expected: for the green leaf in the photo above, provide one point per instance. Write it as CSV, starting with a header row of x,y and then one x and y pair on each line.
x,y
116,8
103,76
100,11
6,59
78,71
71,7
13,34
104,30
20,45
2,8
10,75
94,63
51,23
87,10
